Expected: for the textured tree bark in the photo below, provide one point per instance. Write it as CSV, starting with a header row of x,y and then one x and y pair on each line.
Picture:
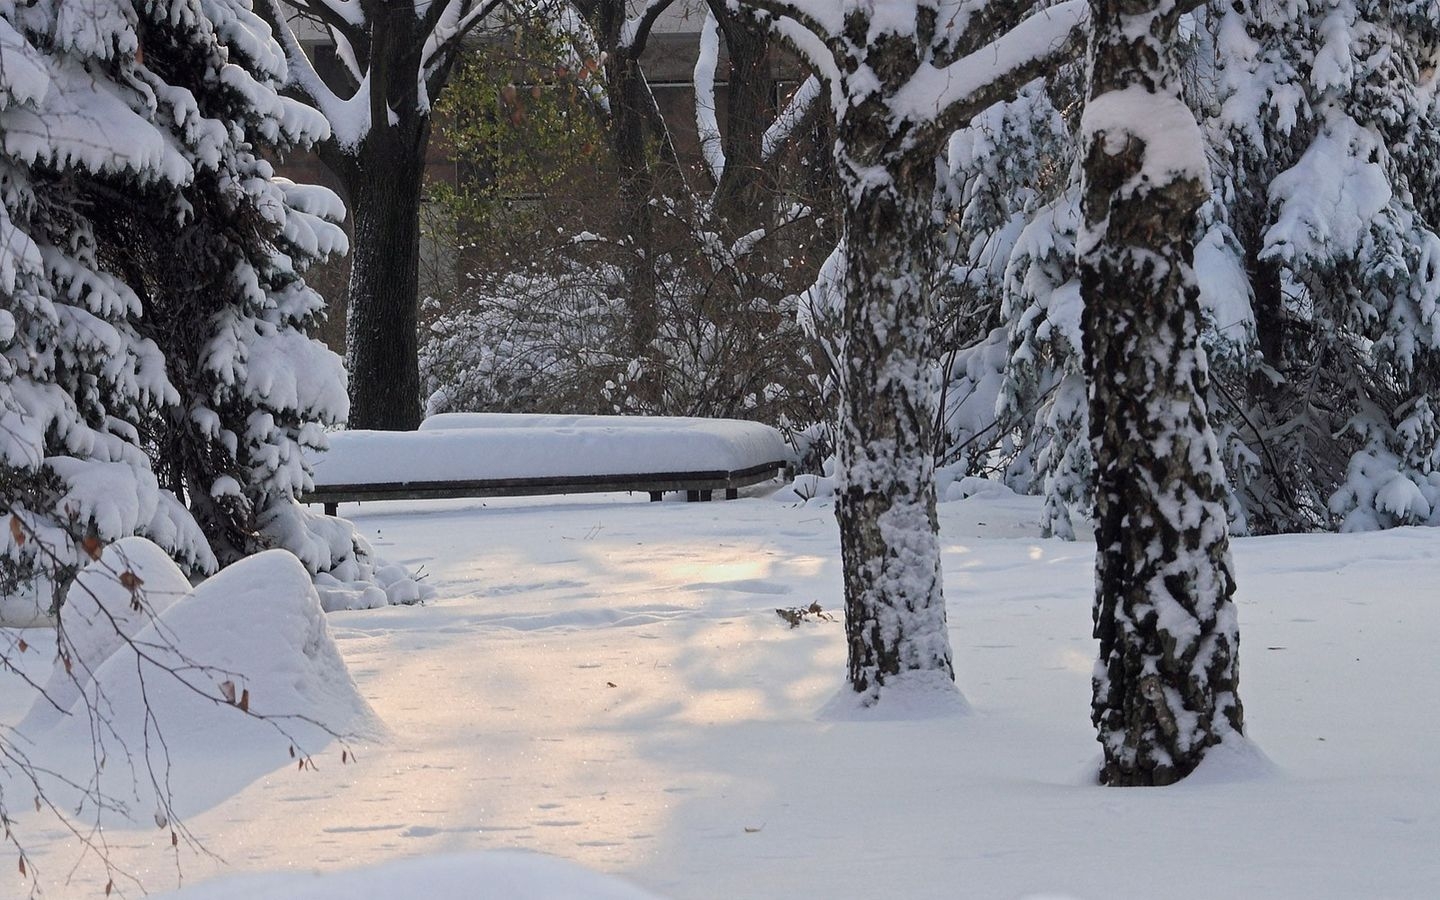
x,y
746,188
383,180
625,85
894,600
1165,685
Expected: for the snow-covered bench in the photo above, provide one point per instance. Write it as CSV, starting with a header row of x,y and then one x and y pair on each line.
x,y
510,455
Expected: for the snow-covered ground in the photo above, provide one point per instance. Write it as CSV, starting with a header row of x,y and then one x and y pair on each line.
x,y
606,680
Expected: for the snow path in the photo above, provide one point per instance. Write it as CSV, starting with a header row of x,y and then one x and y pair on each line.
x,y
606,680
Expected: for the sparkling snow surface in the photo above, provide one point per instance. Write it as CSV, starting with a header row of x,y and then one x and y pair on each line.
x,y
606,680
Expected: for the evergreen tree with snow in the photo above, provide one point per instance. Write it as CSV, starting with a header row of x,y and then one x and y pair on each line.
x,y
1165,685
220,271
1323,123
79,380
159,377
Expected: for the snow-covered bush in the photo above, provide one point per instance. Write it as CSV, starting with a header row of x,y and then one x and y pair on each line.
x,y
554,339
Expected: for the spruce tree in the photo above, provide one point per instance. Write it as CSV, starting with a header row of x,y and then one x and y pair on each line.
x,y
79,380
158,376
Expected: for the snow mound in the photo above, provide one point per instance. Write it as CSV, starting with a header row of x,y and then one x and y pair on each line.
x,y
973,486
111,601
905,697
807,488
204,698
501,875
1235,759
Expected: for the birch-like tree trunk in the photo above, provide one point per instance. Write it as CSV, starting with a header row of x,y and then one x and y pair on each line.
x,y
900,78
1165,686
894,597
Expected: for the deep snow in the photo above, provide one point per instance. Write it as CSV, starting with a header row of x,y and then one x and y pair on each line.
x,y
606,680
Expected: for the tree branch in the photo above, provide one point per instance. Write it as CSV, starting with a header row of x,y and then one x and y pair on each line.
x,y
938,101
636,31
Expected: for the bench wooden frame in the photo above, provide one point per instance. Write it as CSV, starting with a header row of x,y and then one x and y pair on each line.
x,y
697,485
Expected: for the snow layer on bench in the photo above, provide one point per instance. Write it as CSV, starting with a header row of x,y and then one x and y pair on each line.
x,y
475,446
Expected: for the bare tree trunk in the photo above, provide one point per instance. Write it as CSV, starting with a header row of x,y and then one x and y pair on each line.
x,y
382,178
384,181
625,84
1165,688
746,190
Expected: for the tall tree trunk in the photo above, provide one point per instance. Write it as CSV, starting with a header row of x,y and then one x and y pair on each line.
x,y
625,85
384,180
746,190
894,601
1165,687
637,189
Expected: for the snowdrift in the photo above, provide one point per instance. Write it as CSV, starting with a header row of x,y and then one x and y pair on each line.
x,y
173,699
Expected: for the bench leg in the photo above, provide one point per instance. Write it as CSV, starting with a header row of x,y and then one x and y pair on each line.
x,y
332,509
732,493
692,496
705,496
656,496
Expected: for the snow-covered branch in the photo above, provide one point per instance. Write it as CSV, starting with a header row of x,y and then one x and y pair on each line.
x,y
825,19
707,127
636,30
446,30
302,76
789,118
938,100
